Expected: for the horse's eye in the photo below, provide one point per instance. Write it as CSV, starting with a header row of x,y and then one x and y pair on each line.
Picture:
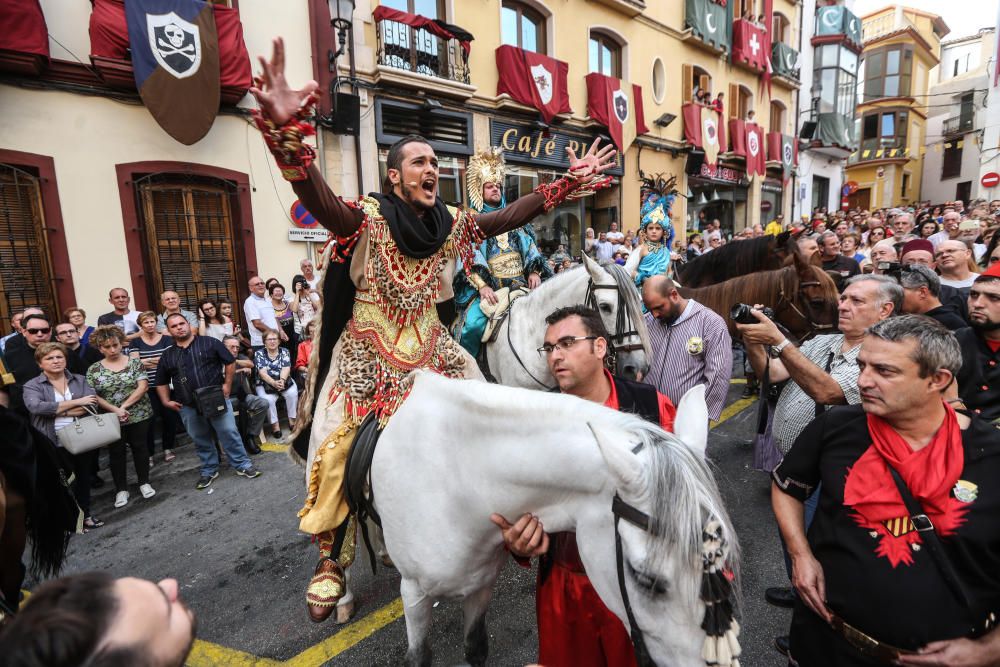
x,y
652,585
605,307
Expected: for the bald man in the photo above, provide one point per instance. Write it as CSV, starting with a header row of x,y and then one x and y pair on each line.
x,y
953,259
171,302
883,251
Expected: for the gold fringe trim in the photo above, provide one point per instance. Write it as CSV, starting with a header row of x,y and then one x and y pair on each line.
x,y
313,491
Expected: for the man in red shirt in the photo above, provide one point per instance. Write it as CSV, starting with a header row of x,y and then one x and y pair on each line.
x,y
575,628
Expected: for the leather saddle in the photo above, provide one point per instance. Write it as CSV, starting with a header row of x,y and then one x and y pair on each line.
x,y
357,479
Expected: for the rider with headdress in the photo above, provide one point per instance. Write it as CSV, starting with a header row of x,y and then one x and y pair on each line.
x,y
508,260
657,231
388,271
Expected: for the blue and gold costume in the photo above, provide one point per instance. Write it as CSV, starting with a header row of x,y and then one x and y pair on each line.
x,y
658,198
501,261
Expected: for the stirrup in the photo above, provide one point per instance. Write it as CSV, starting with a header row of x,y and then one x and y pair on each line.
x,y
325,589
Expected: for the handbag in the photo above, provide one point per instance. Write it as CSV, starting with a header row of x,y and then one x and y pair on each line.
x,y
210,401
91,431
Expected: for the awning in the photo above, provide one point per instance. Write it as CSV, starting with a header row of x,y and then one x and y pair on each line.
x,y
109,48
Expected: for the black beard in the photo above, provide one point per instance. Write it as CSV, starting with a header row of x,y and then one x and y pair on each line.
x,y
984,326
408,198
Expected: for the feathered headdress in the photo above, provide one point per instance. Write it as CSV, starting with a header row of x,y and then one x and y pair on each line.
x,y
486,166
658,194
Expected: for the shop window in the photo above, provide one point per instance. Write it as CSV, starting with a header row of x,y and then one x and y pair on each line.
x,y
26,275
522,26
777,119
190,242
605,54
887,72
740,101
563,225
951,162
695,79
904,188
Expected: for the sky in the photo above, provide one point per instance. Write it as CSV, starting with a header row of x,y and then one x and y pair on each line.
x,y
957,14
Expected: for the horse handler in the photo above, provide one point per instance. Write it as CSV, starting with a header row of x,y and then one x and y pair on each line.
x,y
900,565
391,266
575,629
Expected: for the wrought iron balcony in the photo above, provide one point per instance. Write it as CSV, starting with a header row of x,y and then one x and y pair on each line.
x,y
404,47
959,124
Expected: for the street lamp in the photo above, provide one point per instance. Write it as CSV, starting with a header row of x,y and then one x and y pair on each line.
x,y
342,13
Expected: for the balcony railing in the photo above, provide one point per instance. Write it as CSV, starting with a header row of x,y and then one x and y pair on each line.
x,y
404,47
884,25
959,124
885,149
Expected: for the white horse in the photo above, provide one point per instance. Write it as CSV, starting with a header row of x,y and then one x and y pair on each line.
x,y
512,355
457,451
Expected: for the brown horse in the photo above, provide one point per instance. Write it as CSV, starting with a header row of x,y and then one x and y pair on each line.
x,y
802,295
737,258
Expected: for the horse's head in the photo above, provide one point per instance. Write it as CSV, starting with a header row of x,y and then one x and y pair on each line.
x,y
613,294
669,502
808,304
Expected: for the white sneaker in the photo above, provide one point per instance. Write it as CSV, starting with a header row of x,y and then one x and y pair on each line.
x,y
121,499
147,491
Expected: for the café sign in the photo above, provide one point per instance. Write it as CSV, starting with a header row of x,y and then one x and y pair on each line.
x,y
525,144
721,174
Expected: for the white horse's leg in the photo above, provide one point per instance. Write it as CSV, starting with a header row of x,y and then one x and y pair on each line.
x,y
417,610
345,605
477,639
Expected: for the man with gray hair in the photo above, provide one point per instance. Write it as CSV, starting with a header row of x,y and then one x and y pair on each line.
x,y
883,251
902,224
823,372
892,570
922,296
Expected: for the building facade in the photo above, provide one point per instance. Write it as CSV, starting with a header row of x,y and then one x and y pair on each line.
x,y
956,118
901,47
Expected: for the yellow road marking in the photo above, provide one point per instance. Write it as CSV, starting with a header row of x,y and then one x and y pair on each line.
x,y
207,654
738,381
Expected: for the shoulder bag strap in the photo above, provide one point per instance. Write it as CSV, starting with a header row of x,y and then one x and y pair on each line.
x,y
929,536
821,408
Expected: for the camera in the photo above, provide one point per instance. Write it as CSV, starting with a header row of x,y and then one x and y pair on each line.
x,y
740,313
892,269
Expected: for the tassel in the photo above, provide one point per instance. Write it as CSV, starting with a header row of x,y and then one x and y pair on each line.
x,y
725,657
708,651
734,643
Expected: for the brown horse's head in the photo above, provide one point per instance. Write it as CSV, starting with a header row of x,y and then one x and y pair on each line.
x,y
807,305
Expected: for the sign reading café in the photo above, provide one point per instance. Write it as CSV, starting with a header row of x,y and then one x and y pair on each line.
x,y
533,146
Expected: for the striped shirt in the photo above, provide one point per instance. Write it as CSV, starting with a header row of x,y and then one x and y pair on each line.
x,y
146,351
695,349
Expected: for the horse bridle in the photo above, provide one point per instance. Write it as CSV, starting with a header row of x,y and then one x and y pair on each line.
x,y
784,302
622,321
641,520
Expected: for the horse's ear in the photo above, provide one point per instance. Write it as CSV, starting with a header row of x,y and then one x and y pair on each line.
x,y
802,263
593,268
622,462
632,263
691,422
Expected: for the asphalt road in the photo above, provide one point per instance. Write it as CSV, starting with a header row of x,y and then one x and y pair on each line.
x,y
243,567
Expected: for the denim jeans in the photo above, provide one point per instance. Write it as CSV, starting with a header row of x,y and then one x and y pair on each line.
x,y
200,430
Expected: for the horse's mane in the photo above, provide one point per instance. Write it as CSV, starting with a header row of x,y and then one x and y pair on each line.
x,y
737,258
632,301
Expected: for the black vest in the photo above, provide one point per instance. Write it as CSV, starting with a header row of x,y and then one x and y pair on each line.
x,y
637,398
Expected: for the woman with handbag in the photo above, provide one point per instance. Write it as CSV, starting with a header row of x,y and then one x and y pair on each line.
x,y
53,399
121,384
274,367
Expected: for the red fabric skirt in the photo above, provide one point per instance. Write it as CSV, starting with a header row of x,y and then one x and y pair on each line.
x,y
575,629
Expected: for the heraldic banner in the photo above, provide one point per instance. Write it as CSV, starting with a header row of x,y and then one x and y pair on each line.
x,y
618,106
704,128
754,142
711,21
533,79
175,57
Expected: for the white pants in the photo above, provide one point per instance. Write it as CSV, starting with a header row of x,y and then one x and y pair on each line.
x,y
291,394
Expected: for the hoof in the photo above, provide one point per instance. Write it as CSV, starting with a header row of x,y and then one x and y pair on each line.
x,y
345,612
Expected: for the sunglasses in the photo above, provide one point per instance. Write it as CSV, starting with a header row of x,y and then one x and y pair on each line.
x,y
34,332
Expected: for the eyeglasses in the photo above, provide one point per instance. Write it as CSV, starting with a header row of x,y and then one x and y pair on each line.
x,y
65,332
563,345
35,332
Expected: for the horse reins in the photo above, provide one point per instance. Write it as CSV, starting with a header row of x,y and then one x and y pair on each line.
x,y
785,302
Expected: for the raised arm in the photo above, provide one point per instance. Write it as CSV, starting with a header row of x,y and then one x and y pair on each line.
x,y
583,179
281,119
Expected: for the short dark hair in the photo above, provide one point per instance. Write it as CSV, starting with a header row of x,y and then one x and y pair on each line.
x,y
394,160
172,315
64,623
275,285
33,316
937,347
589,317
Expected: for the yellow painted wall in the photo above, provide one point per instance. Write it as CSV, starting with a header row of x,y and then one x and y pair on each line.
x,y
88,135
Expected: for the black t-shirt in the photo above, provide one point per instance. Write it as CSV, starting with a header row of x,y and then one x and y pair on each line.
x,y
200,364
842,264
910,605
948,315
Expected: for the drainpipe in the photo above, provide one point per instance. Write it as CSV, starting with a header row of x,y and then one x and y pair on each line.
x,y
798,115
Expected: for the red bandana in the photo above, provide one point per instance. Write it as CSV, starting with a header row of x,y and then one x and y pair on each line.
x,y
929,473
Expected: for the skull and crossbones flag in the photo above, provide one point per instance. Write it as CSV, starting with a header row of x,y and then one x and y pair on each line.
x,y
618,106
175,57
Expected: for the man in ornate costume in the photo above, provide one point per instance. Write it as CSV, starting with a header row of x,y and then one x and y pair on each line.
x,y
657,231
509,260
393,262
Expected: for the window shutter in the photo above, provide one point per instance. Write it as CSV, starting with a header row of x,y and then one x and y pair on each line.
x,y
733,104
687,76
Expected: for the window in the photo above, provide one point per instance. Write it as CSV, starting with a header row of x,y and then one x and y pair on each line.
x,y
962,64
951,160
695,79
659,81
432,9
190,241
605,55
522,26
835,74
26,276
905,185
746,9
887,72
780,29
740,102
884,132
820,192
416,49
777,120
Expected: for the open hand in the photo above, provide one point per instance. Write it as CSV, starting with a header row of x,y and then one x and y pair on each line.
x,y
276,98
960,652
592,163
487,294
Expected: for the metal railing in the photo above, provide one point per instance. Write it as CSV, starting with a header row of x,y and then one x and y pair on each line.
x,y
416,50
958,124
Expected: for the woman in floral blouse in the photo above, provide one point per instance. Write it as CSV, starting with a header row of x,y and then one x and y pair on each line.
x,y
121,384
274,366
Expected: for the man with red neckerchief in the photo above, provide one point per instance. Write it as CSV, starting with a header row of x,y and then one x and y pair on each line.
x,y
872,590
575,628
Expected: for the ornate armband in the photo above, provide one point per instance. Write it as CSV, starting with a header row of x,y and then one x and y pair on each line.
x,y
286,141
570,187
476,281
